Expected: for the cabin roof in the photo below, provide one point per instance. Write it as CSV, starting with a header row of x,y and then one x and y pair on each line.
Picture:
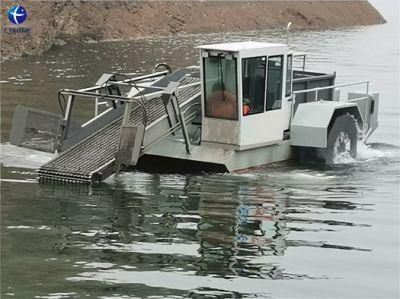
x,y
239,46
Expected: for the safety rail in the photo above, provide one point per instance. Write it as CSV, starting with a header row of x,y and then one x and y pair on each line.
x,y
86,94
316,90
127,81
95,93
303,56
172,129
139,98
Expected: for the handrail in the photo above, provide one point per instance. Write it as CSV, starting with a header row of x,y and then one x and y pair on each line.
x,y
303,55
137,99
172,129
316,89
111,83
129,80
87,94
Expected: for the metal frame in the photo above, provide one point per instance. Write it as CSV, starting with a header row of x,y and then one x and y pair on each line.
x,y
317,89
139,99
238,106
288,95
92,93
303,55
283,91
265,84
97,90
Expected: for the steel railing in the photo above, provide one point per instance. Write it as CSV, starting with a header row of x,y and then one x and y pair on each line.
x,y
316,90
88,94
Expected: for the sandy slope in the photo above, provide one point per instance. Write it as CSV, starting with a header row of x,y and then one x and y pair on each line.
x,y
59,22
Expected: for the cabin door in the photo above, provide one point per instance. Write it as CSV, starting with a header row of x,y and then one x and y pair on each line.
x,y
263,117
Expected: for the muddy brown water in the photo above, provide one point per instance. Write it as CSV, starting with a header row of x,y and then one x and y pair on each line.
x,y
282,230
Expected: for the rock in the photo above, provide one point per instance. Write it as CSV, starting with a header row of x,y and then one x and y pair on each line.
x,y
59,42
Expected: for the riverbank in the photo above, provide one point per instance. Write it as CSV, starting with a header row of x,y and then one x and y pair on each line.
x,y
52,23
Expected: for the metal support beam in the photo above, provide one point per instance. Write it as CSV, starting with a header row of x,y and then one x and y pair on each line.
x,y
169,97
127,113
182,122
67,116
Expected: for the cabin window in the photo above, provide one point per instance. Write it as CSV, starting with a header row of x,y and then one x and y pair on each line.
x,y
289,71
274,82
220,87
253,86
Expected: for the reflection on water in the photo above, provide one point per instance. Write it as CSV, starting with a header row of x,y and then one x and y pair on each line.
x,y
281,230
206,235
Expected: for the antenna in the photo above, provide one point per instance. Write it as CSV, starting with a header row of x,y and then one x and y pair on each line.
x,y
287,32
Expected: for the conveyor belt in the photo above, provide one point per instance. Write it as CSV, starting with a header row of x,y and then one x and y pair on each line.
x,y
92,159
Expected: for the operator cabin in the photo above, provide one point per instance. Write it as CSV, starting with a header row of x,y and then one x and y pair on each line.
x,y
247,90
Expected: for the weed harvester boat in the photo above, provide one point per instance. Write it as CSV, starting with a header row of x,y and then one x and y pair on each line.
x,y
245,105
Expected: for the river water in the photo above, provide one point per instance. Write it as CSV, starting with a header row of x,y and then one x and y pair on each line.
x,y
277,231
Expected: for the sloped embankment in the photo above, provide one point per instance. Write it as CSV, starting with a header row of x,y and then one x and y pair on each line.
x,y
59,22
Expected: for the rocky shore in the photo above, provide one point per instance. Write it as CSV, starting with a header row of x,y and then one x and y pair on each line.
x,y
60,22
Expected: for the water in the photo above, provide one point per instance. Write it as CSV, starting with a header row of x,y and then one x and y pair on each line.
x,y
281,230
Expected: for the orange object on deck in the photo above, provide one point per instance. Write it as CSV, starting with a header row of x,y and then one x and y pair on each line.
x,y
246,109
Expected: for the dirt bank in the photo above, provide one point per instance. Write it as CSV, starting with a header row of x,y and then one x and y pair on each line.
x,y
60,22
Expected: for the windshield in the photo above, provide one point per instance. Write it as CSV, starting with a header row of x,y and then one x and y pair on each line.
x,y
220,87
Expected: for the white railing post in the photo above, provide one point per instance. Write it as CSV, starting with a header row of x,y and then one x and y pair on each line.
x,y
96,105
293,106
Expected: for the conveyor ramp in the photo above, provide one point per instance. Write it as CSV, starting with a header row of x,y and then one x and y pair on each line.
x,y
93,158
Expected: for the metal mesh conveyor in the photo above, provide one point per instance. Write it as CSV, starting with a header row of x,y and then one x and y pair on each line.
x,y
93,158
